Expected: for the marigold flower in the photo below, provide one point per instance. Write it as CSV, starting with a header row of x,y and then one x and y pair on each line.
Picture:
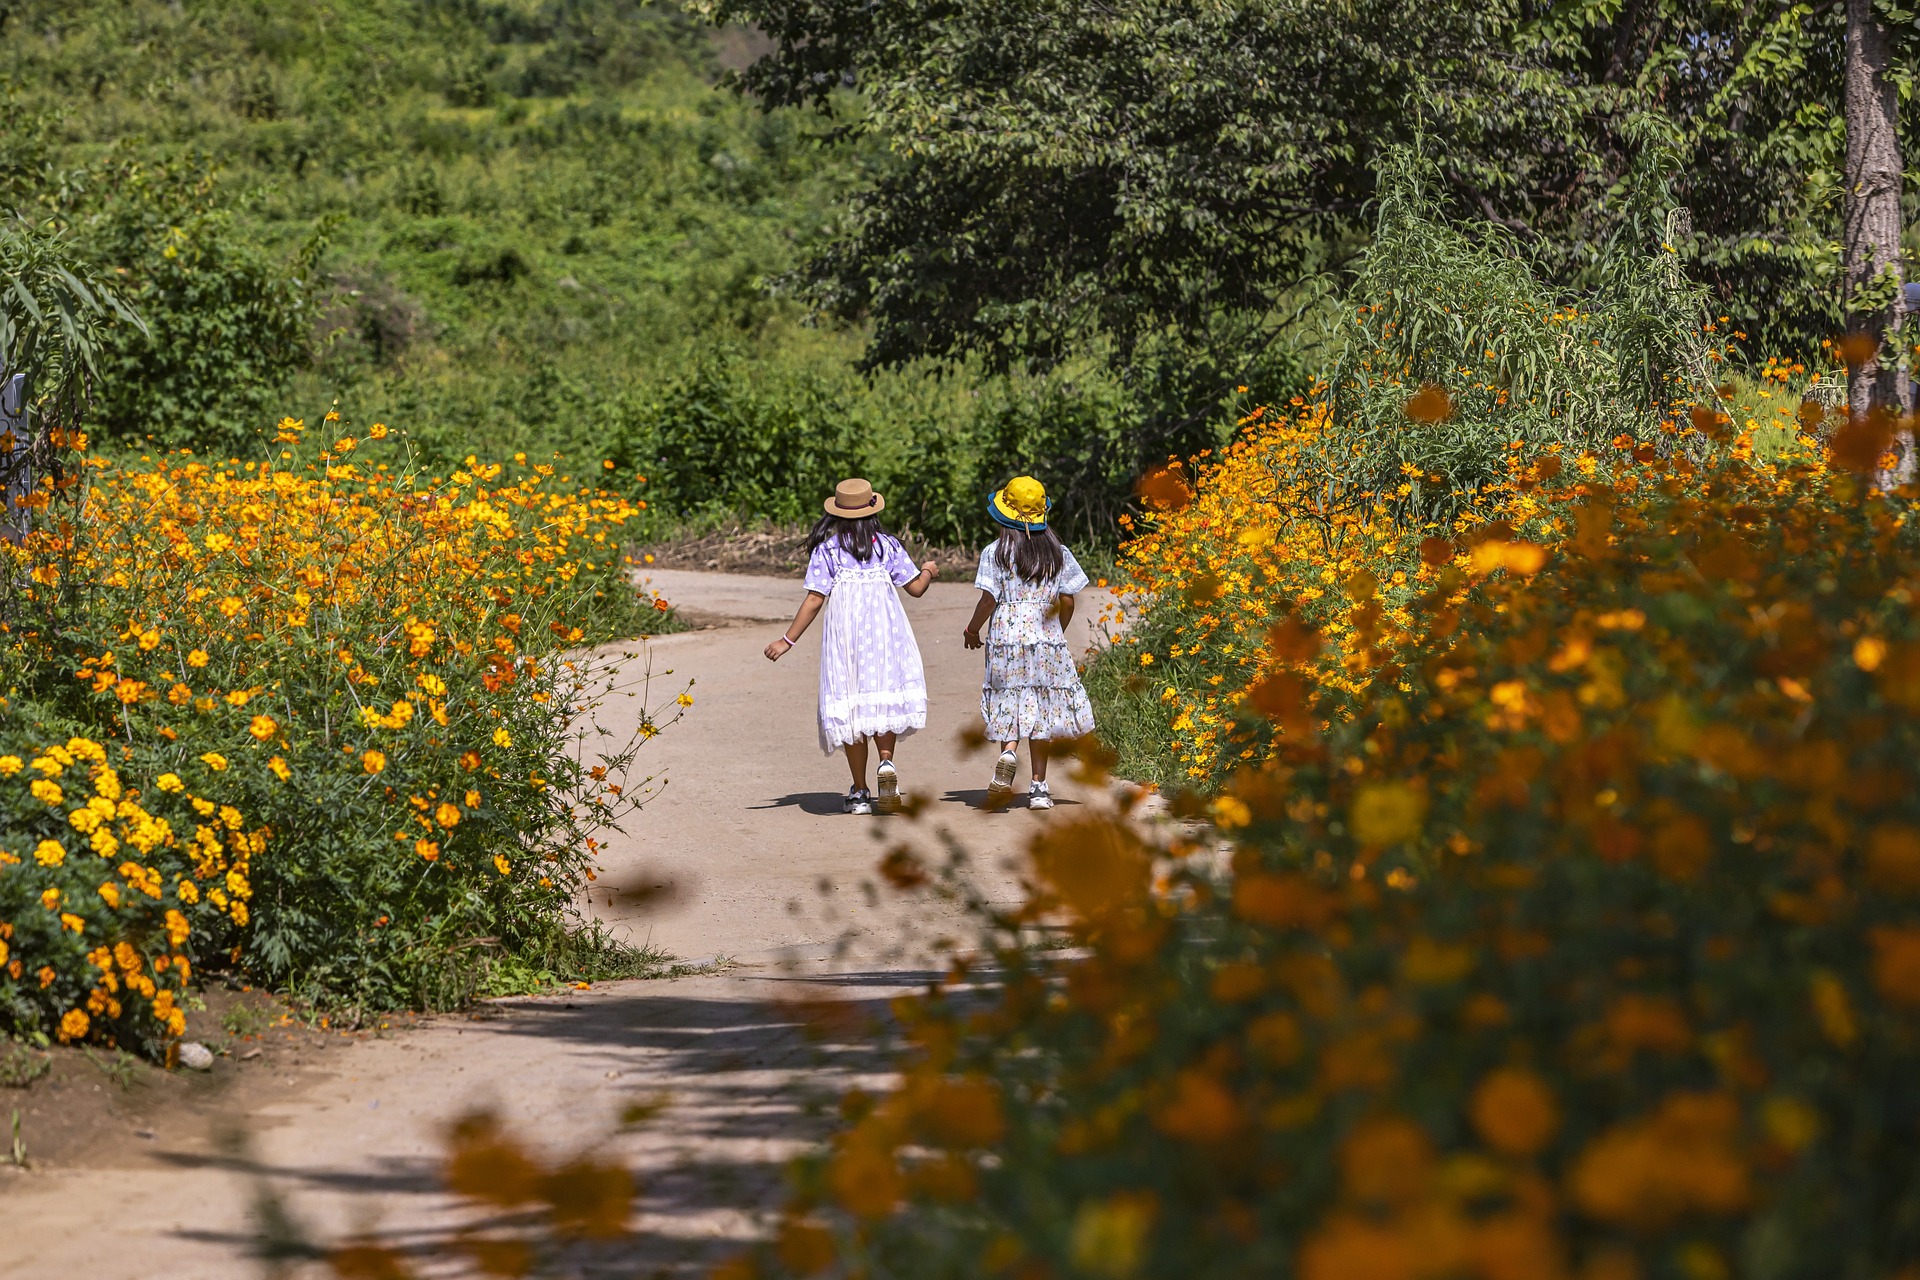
x,y
169,782
1515,1112
214,761
373,761
263,727
198,658
447,815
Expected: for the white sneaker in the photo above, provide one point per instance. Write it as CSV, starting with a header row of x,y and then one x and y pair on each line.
x,y
858,801
1000,790
888,801
1038,797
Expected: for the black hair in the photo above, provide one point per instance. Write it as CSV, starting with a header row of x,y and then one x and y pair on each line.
x,y
1033,557
857,537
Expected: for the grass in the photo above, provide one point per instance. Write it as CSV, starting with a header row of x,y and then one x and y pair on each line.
x,y
21,1065
588,953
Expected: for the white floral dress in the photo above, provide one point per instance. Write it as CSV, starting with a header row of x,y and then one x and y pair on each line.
x,y
1032,689
871,679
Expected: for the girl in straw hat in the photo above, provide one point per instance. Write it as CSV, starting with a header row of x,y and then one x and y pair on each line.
x,y
1027,582
871,682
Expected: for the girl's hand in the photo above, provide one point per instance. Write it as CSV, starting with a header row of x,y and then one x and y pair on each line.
x,y
931,569
970,638
777,648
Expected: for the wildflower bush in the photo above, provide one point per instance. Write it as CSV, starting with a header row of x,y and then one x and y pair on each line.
x,y
1577,938
334,717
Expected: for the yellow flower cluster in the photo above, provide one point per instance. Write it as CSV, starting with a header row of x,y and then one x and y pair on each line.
x,y
355,653
1576,937
99,889
1218,564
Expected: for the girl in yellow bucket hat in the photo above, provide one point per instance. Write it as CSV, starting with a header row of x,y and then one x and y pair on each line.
x,y
1032,690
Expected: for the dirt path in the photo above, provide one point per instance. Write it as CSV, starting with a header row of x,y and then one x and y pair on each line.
x,y
766,874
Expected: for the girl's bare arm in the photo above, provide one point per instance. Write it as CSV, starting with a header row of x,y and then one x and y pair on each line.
x,y
802,619
1063,605
917,587
982,610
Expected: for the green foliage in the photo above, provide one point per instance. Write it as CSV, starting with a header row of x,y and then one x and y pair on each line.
x,y
226,324
55,323
21,1065
1463,309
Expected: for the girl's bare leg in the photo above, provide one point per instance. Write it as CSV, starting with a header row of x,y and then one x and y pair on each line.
x,y
857,762
885,742
1037,752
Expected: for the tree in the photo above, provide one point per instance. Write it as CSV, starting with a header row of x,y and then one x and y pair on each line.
x,y
1150,176
1151,171
1872,233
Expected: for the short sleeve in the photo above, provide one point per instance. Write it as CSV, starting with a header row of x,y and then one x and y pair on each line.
x,y
820,569
900,565
1072,577
988,578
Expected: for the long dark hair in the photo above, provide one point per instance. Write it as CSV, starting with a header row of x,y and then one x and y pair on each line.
x,y
1033,557
857,537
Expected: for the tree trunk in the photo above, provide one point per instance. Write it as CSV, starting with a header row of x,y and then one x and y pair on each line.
x,y
1872,290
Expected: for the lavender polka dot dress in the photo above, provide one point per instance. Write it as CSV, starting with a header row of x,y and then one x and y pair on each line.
x,y
871,678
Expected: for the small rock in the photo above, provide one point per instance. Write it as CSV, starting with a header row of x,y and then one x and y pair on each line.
x,y
250,1055
195,1056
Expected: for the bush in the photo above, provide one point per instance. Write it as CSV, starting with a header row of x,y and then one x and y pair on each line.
x,y
1579,939
359,697
226,324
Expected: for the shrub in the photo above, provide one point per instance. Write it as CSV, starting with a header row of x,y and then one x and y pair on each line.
x,y
1579,939
226,324
370,688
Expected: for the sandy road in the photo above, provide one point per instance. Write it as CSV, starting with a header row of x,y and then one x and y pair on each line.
x,y
766,872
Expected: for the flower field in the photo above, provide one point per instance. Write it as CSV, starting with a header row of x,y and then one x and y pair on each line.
x,y
318,720
1571,929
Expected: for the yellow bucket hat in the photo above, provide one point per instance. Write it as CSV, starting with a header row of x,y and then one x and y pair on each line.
x,y
1021,504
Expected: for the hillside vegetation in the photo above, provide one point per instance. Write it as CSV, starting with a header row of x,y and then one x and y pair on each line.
x,y
500,226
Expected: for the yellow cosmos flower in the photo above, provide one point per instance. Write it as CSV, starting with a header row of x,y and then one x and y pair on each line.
x,y
447,815
373,761
279,768
501,738
197,658
501,864
263,727
428,849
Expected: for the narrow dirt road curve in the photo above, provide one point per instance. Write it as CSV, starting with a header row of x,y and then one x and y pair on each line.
x,y
742,860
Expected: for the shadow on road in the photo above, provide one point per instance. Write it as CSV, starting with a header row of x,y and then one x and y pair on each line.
x,y
819,803
744,1085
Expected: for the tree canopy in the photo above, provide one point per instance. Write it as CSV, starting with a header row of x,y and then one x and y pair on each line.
x,y
1149,168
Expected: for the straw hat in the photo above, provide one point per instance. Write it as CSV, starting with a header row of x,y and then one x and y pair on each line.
x,y
1022,504
855,500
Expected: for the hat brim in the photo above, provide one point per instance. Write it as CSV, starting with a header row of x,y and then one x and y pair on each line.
x,y
846,513
1005,517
